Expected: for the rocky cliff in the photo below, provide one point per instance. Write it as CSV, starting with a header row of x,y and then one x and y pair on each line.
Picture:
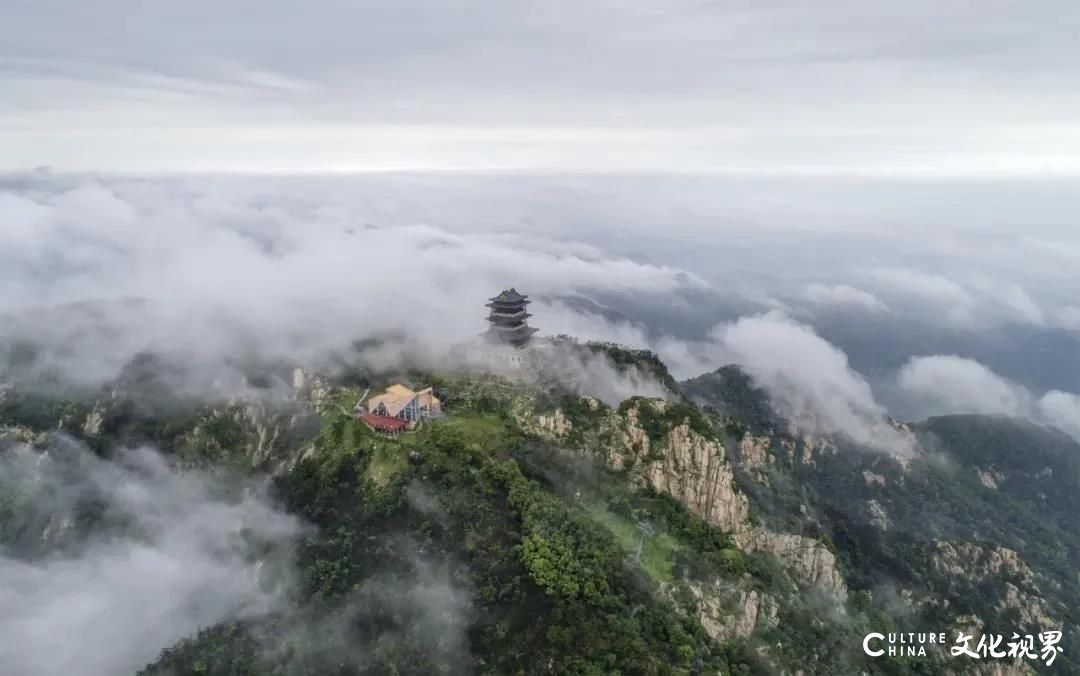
x,y
810,560
693,468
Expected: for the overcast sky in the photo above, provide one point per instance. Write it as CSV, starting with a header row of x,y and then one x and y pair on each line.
x,y
925,87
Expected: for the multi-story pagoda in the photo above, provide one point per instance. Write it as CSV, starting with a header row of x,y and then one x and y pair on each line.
x,y
509,318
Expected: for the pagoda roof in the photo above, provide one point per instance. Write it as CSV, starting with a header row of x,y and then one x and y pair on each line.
x,y
510,295
519,313
508,305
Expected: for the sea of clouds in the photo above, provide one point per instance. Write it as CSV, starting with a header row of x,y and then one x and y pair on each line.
x,y
96,269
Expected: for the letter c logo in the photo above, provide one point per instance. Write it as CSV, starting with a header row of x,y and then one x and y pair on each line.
x,y
866,645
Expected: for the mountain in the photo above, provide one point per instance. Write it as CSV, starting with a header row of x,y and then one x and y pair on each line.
x,y
537,529
974,531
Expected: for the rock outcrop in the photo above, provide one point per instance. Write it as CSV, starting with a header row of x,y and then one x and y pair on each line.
x,y
967,558
726,613
693,469
872,478
255,433
877,516
19,434
311,388
809,560
1019,594
687,466
694,472
754,456
555,425
92,426
989,477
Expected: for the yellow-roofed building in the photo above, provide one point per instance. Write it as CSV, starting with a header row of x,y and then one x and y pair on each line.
x,y
405,404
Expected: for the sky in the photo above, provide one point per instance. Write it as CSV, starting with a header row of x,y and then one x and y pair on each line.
x,y
941,89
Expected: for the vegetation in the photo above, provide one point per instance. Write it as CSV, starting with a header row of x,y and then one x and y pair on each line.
x,y
729,395
658,418
469,546
941,497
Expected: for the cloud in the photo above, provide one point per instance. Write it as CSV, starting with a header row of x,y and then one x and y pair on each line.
x,y
809,379
413,605
913,286
842,295
101,270
172,555
1068,317
962,386
952,384
97,269
1062,409
1020,302
597,375
641,84
998,294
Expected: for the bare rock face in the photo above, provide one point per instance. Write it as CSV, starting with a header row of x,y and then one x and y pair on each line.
x,y
693,470
555,425
809,560
877,516
726,613
256,432
686,465
755,457
19,434
989,478
92,425
962,558
636,440
803,453
872,478
690,468
311,388
1019,591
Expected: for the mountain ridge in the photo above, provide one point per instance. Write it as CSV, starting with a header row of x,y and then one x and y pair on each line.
x,y
733,534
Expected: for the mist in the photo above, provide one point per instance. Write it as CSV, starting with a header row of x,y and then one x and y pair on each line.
x,y
212,271
170,554
950,384
810,381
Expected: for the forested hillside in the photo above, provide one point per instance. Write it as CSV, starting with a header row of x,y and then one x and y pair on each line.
x,y
537,530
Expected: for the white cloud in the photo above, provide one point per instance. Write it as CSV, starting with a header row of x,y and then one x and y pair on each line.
x,y
215,264
1022,304
177,560
962,386
638,84
809,379
997,294
958,385
913,286
1062,409
844,296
